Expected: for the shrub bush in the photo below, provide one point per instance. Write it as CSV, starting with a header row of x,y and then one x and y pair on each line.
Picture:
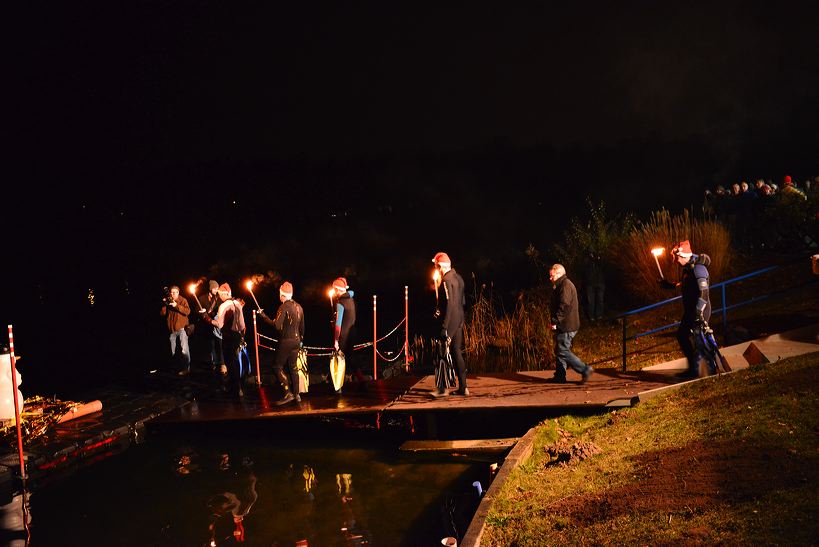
x,y
637,267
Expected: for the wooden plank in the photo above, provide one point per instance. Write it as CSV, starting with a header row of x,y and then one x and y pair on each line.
x,y
477,445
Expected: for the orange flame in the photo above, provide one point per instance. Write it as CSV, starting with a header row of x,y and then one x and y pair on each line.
x,y
192,288
657,251
249,285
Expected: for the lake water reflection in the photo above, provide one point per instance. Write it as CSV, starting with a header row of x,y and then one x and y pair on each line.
x,y
257,491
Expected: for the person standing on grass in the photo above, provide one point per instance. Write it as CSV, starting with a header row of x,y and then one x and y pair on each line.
x,y
694,284
565,317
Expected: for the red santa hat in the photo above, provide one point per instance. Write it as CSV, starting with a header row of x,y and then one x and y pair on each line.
x,y
225,288
286,289
683,249
340,285
442,259
787,181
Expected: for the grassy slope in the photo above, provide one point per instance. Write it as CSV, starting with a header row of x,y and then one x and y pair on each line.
x,y
731,460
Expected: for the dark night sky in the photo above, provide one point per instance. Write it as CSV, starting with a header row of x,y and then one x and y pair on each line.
x,y
498,119
154,142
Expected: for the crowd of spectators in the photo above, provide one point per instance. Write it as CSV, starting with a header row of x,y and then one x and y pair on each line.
x,y
767,215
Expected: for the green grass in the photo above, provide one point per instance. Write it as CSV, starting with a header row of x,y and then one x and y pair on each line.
x,y
731,459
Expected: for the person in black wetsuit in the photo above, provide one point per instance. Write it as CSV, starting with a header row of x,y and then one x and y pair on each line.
x,y
344,309
289,322
452,326
694,284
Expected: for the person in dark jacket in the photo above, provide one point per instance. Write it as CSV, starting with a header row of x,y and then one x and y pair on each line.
x,y
289,321
452,326
214,335
594,282
176,311
694,285
565,317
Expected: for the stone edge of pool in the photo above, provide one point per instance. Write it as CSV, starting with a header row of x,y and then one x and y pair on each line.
x,y
518,455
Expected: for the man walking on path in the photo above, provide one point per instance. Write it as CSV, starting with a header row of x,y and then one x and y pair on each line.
x,y
565,323
694,285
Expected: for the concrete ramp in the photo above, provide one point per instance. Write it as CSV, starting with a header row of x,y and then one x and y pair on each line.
x,y
768,349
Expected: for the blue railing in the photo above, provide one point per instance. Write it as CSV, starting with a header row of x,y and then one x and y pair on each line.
x,y
723,310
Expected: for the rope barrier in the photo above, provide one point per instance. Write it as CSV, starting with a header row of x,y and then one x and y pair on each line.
x,y
399,354
368,344
321,351
330,349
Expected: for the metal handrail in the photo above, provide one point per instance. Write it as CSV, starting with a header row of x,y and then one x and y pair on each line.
x,y
723,310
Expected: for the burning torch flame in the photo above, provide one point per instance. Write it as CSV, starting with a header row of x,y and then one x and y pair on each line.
x,y
657,251
192,290
249,286
331,293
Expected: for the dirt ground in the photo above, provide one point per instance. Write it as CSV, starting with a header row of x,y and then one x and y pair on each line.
x,y
693,479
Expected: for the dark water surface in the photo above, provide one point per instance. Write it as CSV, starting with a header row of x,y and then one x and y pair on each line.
x,y
199,490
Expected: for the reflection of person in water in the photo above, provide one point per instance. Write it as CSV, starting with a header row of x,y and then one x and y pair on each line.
x,y
301,503
236,500
353,535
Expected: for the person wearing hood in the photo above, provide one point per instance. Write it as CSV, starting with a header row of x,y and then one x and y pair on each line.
x,y
694,285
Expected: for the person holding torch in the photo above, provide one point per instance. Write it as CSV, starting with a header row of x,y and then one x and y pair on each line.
x,y
694,285
452,325
289,321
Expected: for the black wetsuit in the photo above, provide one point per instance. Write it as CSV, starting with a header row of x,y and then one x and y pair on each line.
x,y
345,311
696,305
289,321
453,322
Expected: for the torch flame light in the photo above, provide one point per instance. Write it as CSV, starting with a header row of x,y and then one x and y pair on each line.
x,y
192,290
657,251
249,286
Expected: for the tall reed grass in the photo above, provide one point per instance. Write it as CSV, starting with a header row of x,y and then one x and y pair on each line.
x,y
506,342
637,268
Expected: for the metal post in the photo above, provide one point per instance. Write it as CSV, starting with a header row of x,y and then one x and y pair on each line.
x,y
20,454
406,328
13,361
624,341
724,317
256,343
375,340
